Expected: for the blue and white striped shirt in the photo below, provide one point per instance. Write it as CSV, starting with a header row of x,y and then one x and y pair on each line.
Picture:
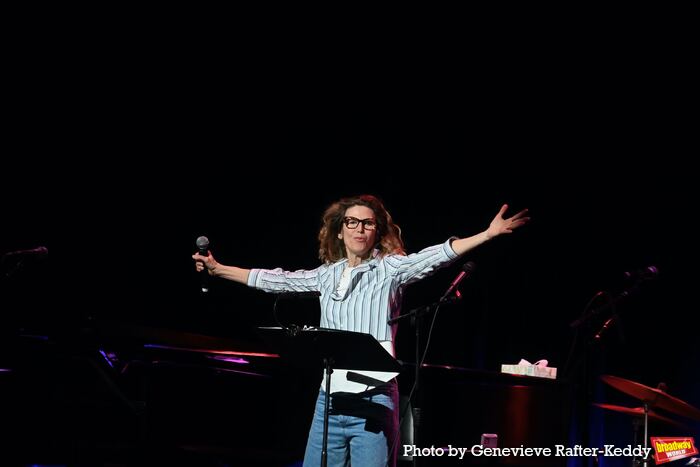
x,y
373,295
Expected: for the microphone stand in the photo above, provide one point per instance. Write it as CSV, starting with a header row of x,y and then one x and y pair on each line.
x,y
416,315
611,304
592,359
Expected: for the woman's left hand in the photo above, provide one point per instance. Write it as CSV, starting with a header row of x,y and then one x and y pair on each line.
x,y
499,225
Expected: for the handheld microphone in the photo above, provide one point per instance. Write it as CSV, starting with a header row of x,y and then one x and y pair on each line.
x,y
203,249
467,269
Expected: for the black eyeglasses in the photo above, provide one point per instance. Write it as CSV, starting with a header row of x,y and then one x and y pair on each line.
x,y
353,222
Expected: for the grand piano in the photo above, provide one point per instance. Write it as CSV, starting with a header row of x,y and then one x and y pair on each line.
x,y
121,392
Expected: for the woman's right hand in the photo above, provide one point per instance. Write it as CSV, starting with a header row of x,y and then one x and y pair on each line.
x,y
205,262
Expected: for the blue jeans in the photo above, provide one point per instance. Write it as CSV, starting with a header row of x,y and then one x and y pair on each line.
x,y
361,429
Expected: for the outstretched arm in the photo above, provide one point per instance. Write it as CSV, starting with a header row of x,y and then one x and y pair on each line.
x,y
498,226
215,268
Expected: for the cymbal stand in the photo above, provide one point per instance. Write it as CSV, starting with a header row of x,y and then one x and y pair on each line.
x,y
635,424
646,430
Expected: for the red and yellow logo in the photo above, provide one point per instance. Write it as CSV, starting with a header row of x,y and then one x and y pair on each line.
x,y
671,449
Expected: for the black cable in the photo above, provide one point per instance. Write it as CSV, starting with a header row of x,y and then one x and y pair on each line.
x,y
402,415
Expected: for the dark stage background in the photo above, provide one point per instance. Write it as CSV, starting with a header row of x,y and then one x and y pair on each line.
x,y
259,201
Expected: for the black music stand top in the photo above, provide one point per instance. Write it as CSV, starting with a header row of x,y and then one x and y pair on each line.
x,y
346,349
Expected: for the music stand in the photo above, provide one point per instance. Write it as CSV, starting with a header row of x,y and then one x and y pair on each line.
x,y
337,349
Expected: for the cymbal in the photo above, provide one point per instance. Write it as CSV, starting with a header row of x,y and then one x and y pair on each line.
x,y
639,412
652,397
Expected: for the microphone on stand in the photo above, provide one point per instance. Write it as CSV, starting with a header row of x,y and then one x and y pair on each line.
x,y
203,249
467,270
451,295
637,277
608,323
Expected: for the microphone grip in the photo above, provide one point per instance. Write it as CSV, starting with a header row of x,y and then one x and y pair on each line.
x,y
204,275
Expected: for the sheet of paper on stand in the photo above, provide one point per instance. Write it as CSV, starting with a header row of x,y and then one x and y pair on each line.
x,y
538,369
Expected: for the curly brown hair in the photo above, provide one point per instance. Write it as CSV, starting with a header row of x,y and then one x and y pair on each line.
x,y
332,249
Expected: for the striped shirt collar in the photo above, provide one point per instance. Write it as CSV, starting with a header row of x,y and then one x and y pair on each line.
x,y
365,264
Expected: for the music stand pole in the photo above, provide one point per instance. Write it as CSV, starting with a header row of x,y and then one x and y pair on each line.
x,y
327,363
